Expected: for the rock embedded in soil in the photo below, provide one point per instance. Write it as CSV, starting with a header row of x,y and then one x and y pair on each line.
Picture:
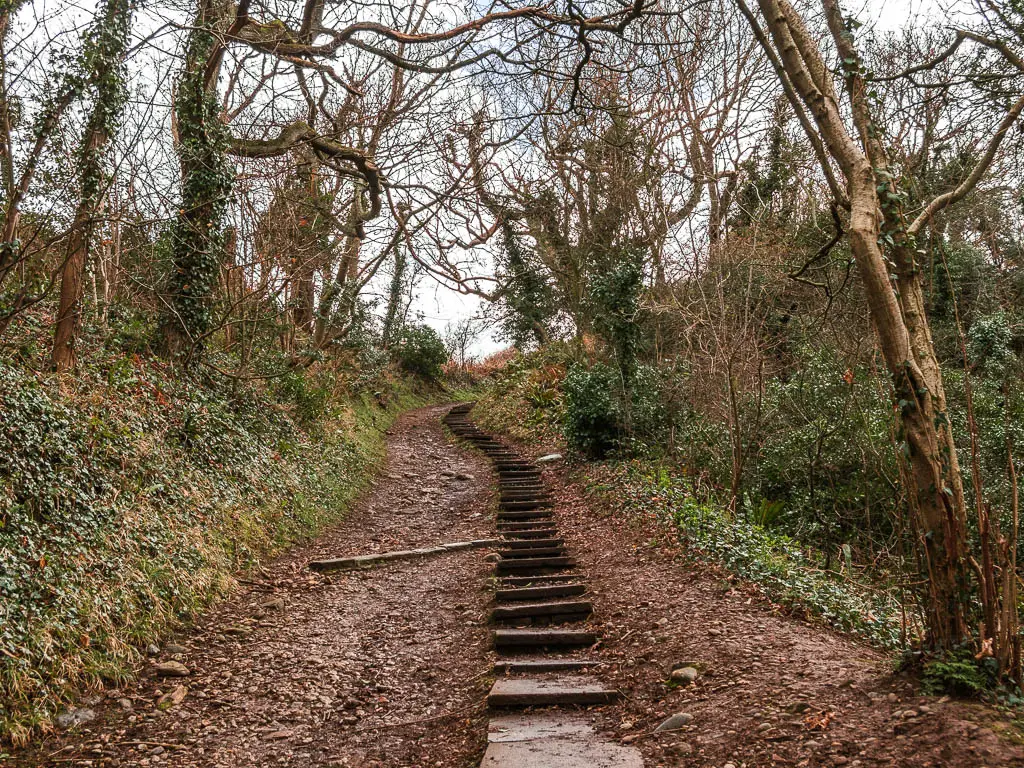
x,y
172,669
684,675
273,604
74,717
675,722
172,699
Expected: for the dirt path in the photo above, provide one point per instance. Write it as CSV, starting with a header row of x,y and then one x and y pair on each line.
x,y
390,667
383,667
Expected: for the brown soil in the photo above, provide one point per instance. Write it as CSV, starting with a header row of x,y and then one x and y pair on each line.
x,y
385,666
390,666
773,689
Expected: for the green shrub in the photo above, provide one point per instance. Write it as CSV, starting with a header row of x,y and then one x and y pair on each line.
x,y
602,416
421,351
593,410
957,673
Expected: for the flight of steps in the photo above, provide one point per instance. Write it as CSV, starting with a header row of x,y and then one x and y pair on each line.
x,y
541,602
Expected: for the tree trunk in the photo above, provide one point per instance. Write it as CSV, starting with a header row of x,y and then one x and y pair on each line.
x,y
69,312
206,182
897,311
104,50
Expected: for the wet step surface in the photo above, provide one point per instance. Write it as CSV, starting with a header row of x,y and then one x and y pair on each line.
x,y
539,584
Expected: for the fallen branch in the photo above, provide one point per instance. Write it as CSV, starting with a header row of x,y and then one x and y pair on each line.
x,y
364,561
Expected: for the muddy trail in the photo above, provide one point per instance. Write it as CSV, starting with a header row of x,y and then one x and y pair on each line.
x,y
440,659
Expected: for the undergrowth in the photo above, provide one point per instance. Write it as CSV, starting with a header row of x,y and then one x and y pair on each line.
x,y
131,494
526,402
787,572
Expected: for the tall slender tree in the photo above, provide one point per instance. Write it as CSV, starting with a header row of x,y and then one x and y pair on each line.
x,y
103,60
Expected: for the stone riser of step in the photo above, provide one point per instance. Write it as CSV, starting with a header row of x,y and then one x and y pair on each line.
x,y
548,692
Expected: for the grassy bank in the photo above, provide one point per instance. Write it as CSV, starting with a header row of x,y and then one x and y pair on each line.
x,y
130,496
526,403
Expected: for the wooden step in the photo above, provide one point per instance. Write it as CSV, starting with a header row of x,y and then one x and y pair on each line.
x,y
514,496
537,579
549,692
535,564
512,506
556,550
509,527
537,666
529,534
542,638
550,608
534,542
524,514
540,592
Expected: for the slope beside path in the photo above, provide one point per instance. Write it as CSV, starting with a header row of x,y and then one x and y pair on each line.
x,y
392,665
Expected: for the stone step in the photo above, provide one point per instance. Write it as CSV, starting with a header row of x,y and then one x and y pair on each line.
x,y
507,554
550,608
526,726
505,639
561,752
534,564
539,593
534,542
561,691
539,666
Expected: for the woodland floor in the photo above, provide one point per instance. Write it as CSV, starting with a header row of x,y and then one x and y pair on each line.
x,y
390,666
